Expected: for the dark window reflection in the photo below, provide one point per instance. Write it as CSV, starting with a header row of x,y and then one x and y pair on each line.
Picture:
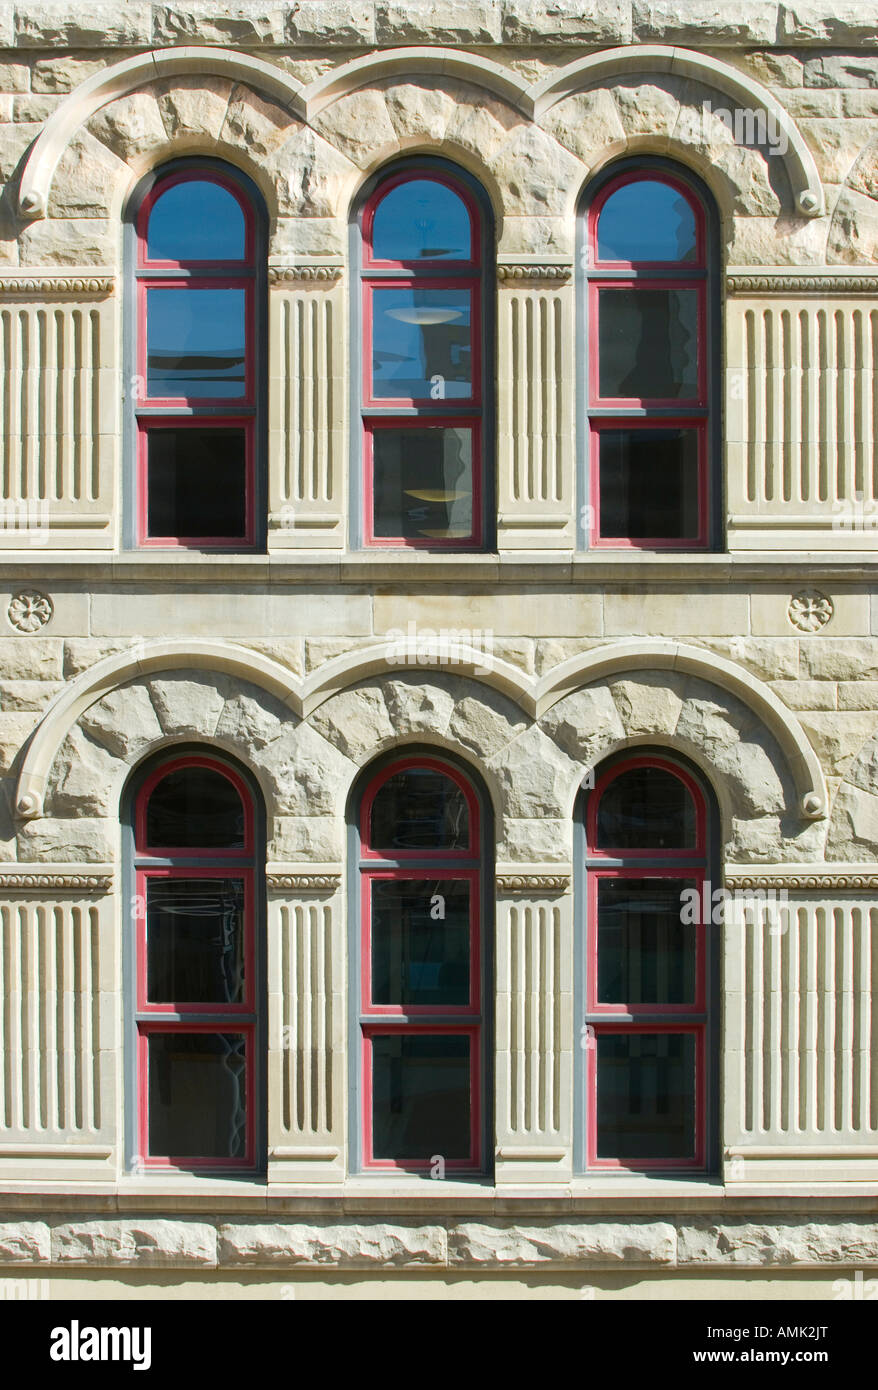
x,y
196,484
645,1095
421,344
648,344
419,809
421,220
423,481
646,955
646,808
196,343
195,807
649,484
196,220
646,220
197,1095
420,1097
195,940
420,941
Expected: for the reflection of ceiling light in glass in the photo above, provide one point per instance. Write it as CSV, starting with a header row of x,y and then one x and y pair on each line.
x,y
424,316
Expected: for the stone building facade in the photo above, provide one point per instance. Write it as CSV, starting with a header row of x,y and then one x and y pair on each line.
x,y
524,664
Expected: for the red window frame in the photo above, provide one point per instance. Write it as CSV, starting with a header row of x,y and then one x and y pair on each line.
x,y
642,412
424,1020
185,863
165,412
382,412
645,862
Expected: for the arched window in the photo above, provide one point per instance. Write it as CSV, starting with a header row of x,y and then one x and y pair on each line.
x,y
197,247
647,968
426,365
196,966
419,990
649,310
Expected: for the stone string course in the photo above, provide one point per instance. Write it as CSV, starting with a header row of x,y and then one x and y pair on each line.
x,y
596,1244
355,24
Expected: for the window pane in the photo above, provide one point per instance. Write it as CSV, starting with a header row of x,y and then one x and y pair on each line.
x,y
649,484
197,1095
420,941
645,1095
196,343
646,808
195,940
421,220
419,809
648,344
421,344
646,221
423,481
196,220
420,1097
195,807
196,483
646,955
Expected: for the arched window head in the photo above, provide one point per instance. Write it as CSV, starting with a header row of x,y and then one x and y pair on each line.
x,y
196,1010
647,969
424,376
420,986
650,298
199,289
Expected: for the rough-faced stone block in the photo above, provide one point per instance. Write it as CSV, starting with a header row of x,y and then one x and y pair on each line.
x,y
306,774
853,826
348,1245
485,722
789,1243
15,729
149,1243
419,110
535,777
581,1243
649,703
20,696
30,659
585,724
359,126
843,24
566,21
537,174
82,652
193,106
840,70
16,77
327,23
355,721
256,123
77,841
417,706
124,721
63,72
188,706
429,21
72,241
83,778
838,736
697,23
311,177
100,24
86,179
298,839
480,122
24,1242
535,841
853,235
588,124
131,126
237,26
251,719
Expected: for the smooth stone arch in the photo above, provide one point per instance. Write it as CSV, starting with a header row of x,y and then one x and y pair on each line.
x,y
743,90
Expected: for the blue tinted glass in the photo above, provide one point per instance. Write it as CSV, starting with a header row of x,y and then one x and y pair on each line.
x,y
195,343
646,221
421,344
421,220
196,220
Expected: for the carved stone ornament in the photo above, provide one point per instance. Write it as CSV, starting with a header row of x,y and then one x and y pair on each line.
x,y
810,610
30,610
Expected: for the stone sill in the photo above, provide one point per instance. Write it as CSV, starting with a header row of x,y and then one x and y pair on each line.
x,y
371,573
432,1199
